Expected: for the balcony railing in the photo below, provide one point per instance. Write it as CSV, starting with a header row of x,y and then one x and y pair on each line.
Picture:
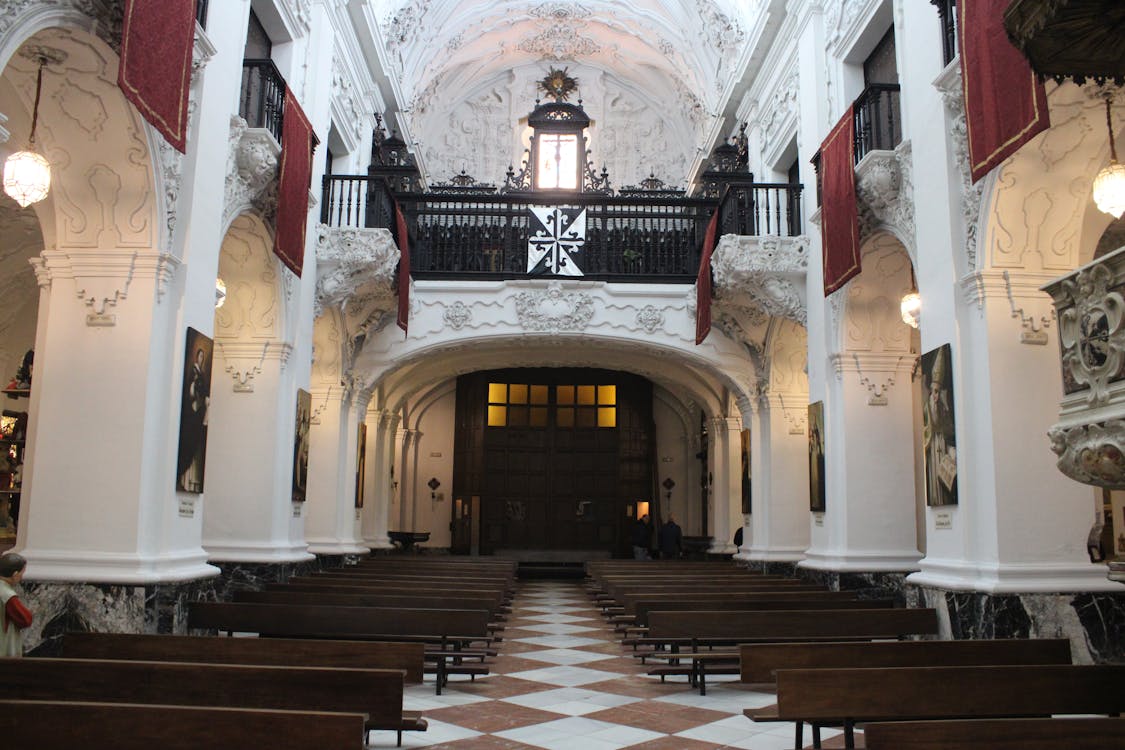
x,y
947,15
263,96
201,12
878,121
652,238
756,208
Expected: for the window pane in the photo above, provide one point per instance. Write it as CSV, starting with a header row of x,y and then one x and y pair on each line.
x,y
586,395
564,417
587,418
517,416
538,394
517,394
497,393
607,417
497,416
564,394
607,395
538,416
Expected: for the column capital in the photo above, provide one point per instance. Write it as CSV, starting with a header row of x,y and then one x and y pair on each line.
x,y
103,277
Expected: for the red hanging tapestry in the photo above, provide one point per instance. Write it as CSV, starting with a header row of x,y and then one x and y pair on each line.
x,y
154,73
403,269
839,218
703,282
1005,103
293,188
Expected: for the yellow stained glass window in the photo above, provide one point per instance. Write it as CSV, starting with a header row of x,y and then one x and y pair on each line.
x,y
517,394
607,395
497,393
565,417
586,395
539,394
607,417
564,394
497,416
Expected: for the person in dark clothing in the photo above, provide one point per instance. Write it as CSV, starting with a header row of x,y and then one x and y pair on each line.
x,y
642,536
670,538
738,537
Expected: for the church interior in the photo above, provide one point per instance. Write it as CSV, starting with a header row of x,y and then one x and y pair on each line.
x,y
568,334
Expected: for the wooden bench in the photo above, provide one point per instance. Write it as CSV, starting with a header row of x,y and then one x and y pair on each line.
x,y
361,598
851,696
295,652
997,734
374,692
490,599
55,725
452,630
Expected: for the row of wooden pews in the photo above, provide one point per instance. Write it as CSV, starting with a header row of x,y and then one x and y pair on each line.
x,y
344,651
840,661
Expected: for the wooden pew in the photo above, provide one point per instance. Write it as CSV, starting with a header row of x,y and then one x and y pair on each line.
x,y
296,652
363,599
490,599
453,631
54,725
759,661
997,734
374,692
851,696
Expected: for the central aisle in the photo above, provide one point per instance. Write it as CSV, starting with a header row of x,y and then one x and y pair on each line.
x,y
562,681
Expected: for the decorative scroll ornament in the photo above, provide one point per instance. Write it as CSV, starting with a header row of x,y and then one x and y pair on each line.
x,y
1092,454
457,315
770,271
1090,332
557,236
554,310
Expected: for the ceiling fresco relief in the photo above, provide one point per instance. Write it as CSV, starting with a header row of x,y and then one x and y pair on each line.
x,y
652,76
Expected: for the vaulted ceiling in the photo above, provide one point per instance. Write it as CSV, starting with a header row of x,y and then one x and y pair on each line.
x,y
657,76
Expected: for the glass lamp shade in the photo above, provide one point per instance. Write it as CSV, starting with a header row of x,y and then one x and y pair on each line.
x,y
27,177
1109,189
911,308
220,293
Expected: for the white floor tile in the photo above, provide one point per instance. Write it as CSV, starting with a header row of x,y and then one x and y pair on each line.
x,y
578,732
565,676
436,733
571,701
559,628
560,641
564,656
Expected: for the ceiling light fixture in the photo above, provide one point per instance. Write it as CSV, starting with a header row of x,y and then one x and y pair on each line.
x,y
1109,185
220,293
911,305
27,174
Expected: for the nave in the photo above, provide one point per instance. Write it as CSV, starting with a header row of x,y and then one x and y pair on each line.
x,y
562,680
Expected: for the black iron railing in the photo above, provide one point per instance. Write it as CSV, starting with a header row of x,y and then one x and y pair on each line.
x,y
263,96
356,201
201,12
756,208
947,15
878,122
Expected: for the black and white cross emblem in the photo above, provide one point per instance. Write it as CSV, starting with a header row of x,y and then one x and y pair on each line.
x,y
555,240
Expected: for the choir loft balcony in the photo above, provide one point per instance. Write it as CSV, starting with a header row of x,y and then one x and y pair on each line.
x,y
262,99
639,236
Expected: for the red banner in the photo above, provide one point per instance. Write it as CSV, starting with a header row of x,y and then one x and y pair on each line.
x,y
155,67
839,218
1005,103
403,269
703,282
294,175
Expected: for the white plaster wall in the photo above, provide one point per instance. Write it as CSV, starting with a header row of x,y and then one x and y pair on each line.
x,y
436,427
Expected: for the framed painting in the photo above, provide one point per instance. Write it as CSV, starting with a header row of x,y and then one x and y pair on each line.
x,y
939,434
301,445
746,497
360,463
195,401
816,458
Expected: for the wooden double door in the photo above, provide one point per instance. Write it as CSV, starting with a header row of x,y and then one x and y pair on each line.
x,y
557,458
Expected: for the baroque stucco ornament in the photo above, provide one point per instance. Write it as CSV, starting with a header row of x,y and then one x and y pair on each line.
x,y
553,310
457,315
252,167
1091,311
1092,454
884,193
349,260
769,270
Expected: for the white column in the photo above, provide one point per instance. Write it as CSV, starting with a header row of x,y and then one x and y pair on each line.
x,y
248,516
869,521
330,520
779,524
404,478
376,507
726,485
1020,524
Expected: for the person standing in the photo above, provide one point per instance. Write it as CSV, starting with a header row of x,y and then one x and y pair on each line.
x,y
14,616
642,536
670,539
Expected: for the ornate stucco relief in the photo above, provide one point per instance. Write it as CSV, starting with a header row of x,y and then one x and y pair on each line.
x,y
252,165
948,85
552,309
769,271
885,193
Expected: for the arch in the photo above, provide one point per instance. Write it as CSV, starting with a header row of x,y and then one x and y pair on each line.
x,y
254,308
870,319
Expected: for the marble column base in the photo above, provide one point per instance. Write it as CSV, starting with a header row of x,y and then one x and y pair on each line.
x,y
1094,621
60,607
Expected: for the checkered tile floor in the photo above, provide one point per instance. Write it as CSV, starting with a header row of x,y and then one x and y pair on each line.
x,y
563,681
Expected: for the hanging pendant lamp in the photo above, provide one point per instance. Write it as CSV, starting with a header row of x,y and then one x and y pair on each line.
x,y
1109,185
27,174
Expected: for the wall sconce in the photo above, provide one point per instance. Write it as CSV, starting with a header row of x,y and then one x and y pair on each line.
x,y
433,484
220,293
1109,185
669,483
27,174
